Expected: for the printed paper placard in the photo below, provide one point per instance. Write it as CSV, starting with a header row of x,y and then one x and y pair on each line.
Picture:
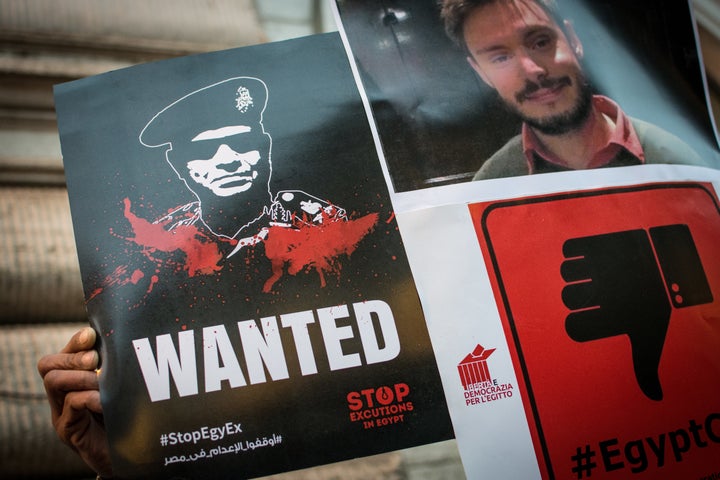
x,y
243,267
609,300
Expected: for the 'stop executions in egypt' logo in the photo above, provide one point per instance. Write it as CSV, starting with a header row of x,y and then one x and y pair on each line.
x,y
380,407
479,386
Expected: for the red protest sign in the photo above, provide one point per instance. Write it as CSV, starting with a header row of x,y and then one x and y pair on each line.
x,y
610,300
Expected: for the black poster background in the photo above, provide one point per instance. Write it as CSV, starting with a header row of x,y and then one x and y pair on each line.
x,y
321,144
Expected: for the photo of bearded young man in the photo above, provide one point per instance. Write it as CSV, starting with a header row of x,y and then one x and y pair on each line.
x,y
531,56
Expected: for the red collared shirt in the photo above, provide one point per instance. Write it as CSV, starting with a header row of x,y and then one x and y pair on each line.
x,y
623,138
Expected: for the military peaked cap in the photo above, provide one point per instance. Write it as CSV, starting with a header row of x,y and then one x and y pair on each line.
x,y
235,105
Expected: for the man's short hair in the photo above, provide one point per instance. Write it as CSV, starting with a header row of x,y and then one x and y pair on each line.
x,y
454,13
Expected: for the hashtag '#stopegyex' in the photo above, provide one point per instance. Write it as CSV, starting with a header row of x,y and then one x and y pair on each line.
x,y
583,462
163,440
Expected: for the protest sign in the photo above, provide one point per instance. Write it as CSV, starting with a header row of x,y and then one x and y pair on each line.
x,y
242,266
553,169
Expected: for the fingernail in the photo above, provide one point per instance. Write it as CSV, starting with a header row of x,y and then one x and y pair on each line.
x,y
90,359
84,335
87,337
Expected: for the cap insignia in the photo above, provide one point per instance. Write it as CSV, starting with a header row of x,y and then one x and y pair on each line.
x,y
243,100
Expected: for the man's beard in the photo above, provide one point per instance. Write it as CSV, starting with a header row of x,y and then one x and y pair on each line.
x,y
563,122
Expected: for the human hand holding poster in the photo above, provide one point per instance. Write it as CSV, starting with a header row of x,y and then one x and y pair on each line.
x,y
574,309
242,266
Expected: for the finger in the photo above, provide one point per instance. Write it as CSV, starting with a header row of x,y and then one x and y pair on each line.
x,y
75,418
579,296
71,380
593,325
575,270
82,428
647,347
576,247
59,383
82,340
81,360
86,400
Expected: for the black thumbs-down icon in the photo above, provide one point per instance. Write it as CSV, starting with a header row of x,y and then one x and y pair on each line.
x,y
625,283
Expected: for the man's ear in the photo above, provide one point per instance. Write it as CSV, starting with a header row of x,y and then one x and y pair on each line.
x,y
573,39
479,71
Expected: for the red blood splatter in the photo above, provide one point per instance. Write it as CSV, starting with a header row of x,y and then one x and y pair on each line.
x,y
313,246
136,276
201,253
94,293
119,277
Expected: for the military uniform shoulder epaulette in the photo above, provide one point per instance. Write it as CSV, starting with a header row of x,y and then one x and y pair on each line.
x,y
292,208
181,216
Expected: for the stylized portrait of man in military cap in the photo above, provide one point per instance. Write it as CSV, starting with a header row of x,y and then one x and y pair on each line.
x,y
215,142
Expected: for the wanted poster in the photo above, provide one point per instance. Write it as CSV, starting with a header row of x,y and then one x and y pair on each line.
x,y
243,266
